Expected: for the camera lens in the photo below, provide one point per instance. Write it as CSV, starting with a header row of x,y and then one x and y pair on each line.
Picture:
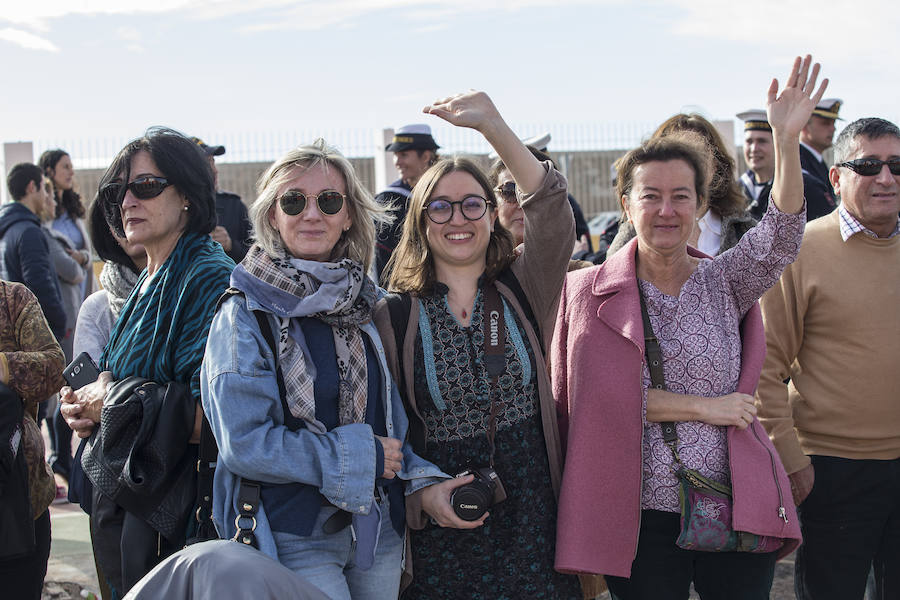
x,y
76,370
472,500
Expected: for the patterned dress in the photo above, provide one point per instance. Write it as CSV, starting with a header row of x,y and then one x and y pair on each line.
x,y
512,555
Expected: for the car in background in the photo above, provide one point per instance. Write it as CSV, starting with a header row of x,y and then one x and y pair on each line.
x,y
603,227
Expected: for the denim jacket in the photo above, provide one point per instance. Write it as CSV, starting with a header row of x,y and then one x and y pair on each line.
x,y
241,400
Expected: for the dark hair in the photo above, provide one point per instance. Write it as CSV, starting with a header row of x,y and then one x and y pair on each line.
x,y
182,162
411,266
66,200
20,176
725,195
498,165
106,246
870,127
662,149
434,155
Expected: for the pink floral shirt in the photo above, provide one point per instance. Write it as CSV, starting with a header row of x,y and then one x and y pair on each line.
x,y
701,346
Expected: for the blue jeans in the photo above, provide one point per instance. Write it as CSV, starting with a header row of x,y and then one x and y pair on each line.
x,y
663,571
851,524
327,560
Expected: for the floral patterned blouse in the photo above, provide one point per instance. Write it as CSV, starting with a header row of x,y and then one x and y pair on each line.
x,y
700,339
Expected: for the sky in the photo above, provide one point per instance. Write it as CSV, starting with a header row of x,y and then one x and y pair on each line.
x,y
105,70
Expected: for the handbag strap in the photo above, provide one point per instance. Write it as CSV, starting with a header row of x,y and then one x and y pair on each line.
x,y
653,351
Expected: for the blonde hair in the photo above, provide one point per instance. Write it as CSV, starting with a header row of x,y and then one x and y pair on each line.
x,y
411,268
358,243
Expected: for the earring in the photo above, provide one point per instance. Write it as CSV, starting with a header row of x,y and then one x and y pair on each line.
x,y
185,207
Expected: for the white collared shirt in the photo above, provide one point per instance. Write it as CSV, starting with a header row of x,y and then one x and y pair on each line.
x,y
710,239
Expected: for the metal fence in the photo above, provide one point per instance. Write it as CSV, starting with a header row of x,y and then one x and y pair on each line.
x,y
584,153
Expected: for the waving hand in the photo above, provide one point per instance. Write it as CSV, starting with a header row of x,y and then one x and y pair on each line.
x,y
790,111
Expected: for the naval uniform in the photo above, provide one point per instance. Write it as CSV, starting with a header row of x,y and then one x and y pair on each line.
x,y
816,186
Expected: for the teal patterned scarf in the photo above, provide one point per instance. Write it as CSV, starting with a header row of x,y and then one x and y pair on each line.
x,y
161,334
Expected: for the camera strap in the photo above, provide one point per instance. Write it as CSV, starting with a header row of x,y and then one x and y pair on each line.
x,y
494,327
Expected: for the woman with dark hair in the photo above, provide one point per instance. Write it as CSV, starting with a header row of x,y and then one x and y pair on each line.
x,y
725,219
509,213
67,226
466,347
157,192
57,166
656,355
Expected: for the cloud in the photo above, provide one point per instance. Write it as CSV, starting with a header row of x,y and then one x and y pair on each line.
x,y
271,14
132,38
314,14
27,40
831,32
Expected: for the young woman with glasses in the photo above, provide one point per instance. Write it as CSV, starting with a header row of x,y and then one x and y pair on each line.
x,y
315,421
472,325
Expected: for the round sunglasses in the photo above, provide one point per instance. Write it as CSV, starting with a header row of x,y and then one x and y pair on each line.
x,y
440,211
293,202
143,188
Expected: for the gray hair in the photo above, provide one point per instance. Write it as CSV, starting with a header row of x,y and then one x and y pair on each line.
x,y
359,242
870,127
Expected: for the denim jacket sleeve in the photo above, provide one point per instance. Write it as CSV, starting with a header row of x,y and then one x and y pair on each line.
x,y
240,398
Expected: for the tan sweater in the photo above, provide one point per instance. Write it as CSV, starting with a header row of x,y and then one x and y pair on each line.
x,y
833,326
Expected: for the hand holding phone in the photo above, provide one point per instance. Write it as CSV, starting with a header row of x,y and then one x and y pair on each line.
x,y
81,371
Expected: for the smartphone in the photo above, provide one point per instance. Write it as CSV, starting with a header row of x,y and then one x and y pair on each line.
x,y
81,371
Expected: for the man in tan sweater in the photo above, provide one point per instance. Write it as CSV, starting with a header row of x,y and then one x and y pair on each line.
x,y
833,328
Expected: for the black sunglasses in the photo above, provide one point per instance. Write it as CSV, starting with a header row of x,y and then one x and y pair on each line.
x,y
872,166
507,192
441,211
293,202
143,188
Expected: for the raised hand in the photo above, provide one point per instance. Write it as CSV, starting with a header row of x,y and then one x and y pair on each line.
x,y
790,111
471,109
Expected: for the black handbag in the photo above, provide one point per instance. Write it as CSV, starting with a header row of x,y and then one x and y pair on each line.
x,y
16,520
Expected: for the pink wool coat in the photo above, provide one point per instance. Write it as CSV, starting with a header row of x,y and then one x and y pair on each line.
x,y
597,357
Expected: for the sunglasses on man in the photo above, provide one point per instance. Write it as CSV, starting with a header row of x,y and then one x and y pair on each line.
x,y
871,166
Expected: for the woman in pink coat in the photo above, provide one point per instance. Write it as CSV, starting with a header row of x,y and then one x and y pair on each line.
x,y
619,512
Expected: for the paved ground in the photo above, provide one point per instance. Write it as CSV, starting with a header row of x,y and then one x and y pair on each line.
x,y
71,565
71,560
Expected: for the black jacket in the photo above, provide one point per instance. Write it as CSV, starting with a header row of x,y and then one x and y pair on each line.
x,y
139,456
232,215
388,236
816,187
16,520
25,258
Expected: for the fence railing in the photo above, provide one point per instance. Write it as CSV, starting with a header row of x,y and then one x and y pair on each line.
x,y
585,153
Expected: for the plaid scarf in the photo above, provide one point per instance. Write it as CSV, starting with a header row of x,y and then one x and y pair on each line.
x,y
338,294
